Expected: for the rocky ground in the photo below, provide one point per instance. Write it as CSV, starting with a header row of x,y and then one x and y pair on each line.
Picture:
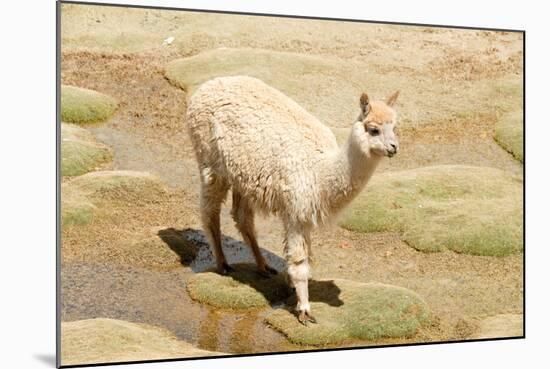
x,y
446,263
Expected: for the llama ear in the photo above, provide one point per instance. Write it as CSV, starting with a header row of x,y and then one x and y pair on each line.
x,y
392,98
364,103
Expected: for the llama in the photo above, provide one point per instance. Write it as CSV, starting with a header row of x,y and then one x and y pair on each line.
x,y
279,159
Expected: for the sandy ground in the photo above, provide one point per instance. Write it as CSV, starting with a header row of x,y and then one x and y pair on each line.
x,y
106,268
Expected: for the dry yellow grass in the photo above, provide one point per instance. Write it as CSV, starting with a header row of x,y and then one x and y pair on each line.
x,y
509,134
80,151
310,80
76,208
98,28
103,340
82,196
119,185
330,87
456,85
502,325
441,80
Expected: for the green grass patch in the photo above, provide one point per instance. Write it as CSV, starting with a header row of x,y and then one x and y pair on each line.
x,y
361,311
509,134
505,94
242,289
80,105
466,209
84,196
119,186
76,209
345,310
80,151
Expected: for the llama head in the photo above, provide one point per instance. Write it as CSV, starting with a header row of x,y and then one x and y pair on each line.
x,y
374,130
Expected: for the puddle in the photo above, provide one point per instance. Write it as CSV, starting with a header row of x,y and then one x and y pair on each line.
x,y
160,298
235,252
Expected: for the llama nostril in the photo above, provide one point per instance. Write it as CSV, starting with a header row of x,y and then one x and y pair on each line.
x,y
394,148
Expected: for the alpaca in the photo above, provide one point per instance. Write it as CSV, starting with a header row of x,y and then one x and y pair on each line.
x,y
279,159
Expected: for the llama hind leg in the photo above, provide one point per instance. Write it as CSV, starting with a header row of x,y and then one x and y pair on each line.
x,y
296,254
243,214
213,192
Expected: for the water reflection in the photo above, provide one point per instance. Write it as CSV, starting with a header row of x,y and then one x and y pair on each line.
x,y
208,334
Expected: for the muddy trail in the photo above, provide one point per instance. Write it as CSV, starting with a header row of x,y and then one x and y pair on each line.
x,y
110,268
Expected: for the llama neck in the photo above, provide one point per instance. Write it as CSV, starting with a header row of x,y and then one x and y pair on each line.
x,y
349,170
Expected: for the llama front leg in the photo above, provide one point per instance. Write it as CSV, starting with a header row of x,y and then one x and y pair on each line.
x,y
298,271
213,191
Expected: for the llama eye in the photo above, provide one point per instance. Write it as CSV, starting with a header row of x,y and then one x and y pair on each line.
x,y
373,131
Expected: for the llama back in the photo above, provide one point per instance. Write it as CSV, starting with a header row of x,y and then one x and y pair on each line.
x,y
261,141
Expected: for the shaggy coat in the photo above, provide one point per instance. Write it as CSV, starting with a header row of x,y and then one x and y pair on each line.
x,y
263,143
277,158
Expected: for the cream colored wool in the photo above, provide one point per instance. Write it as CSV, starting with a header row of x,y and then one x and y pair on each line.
x,y
279,159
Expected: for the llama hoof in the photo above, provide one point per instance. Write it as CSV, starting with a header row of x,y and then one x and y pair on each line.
x,y
224,269
305,318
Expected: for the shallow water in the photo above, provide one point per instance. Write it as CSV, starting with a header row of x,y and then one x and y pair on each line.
x,y
234,251
159,297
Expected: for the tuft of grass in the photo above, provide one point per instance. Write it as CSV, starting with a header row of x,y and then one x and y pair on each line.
x,y
80,105
329,87
83,196
76,209
119,186
242,289
80,152
362,311
308,79
102,340
439,85
473,210
344,309
509,134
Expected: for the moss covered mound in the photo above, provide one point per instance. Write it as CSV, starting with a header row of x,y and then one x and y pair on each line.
x,y
83,196
80,105
104,340
119,185
509,134
80,151
76,209
308,79
361,311
242,289
466,209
